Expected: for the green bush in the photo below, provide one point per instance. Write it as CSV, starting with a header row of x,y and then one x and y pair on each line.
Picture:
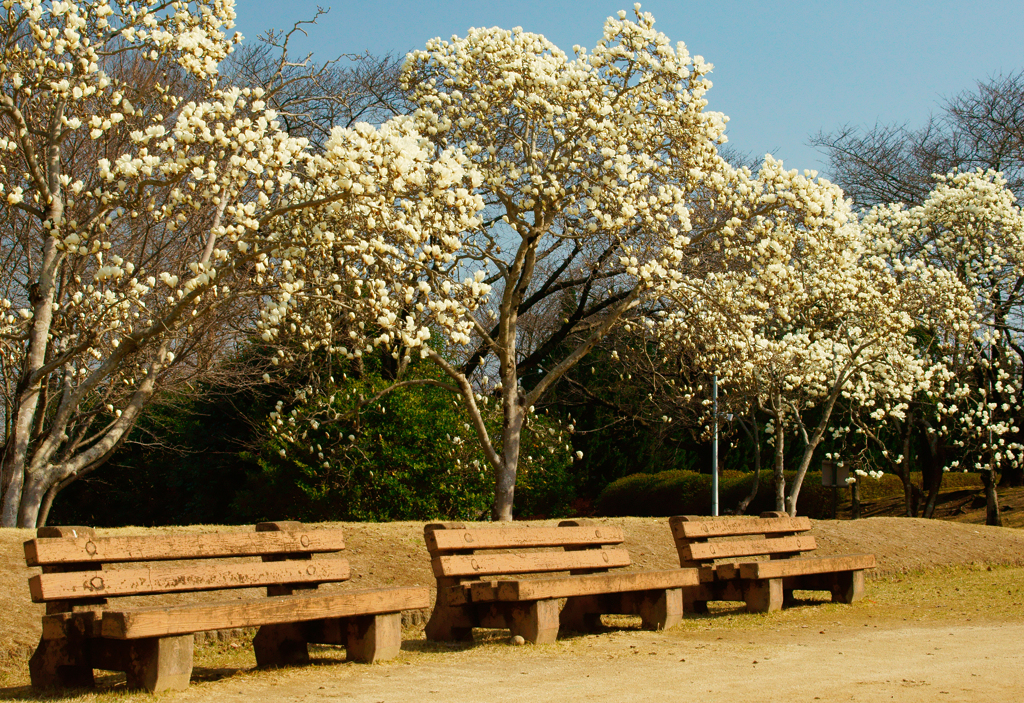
x,y
412,455
689,493
890,485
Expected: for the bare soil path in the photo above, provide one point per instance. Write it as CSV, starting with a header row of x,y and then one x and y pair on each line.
x,y
843,663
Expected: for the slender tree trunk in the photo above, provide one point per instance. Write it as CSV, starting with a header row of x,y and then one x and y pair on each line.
x,y
931,476
505,483
756,437
17,457
811,442
798,480
513,410
903,470
992,516
44,509
780,449
36,487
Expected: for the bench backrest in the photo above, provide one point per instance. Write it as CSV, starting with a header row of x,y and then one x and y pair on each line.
x,y
459,553
702,541
73,560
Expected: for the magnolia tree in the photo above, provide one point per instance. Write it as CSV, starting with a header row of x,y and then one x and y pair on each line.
x,y
586,166
144,208
802,314
970,227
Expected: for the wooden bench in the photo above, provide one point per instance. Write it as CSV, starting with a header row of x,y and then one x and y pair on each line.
x,y
152,643
761,560
463,559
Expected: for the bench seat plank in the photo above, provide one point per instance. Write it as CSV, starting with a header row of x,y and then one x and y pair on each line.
x,y
522,538
531,562
121,582
583,585
701,551
54,550
728,527
781,568
156,621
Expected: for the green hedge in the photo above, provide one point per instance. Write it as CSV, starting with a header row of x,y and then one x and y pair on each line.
x,y
689,493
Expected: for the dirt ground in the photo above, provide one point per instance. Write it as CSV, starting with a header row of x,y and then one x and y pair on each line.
x,y
925,632
842,663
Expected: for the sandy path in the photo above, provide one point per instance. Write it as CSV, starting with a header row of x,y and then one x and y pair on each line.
x,y
843,663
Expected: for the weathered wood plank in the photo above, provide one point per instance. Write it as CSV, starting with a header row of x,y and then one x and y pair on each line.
x,y
782,568
522,537
689,527
530,562
703,551
80,624
164,621
590,584
41,551
123,582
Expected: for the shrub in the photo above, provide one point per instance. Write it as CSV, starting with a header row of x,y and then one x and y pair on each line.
x,y
689,493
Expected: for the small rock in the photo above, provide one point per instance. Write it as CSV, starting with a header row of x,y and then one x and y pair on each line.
x,y
518,640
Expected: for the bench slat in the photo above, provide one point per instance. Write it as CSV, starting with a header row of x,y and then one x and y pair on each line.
x,y
522,537
684,528
590,584
123,582
801,566
531,562
703,551
57,550
178,620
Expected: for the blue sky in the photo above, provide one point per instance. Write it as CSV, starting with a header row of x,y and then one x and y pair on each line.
x,y
783,70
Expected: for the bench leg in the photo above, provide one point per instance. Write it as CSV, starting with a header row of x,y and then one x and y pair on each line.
x,y
448,624
848,587
764,596
580,614
159,664
695,600
537,621
374,638
281,645
61,663
660,610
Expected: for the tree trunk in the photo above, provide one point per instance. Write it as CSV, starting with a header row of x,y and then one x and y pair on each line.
x,y
505,480
514,415
756,437
903,470
32,496
780,476
992,516
798,480
931,476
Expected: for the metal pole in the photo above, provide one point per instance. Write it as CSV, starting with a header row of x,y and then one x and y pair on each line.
x,y
714,450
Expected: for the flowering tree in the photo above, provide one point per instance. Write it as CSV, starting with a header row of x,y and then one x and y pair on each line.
x,y
970,227
587,165
802,313
143,207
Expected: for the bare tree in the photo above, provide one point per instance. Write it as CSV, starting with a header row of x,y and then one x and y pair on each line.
x,y
312,96
891,163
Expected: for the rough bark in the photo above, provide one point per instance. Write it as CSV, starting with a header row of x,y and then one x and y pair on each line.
x,y
780,449
992,516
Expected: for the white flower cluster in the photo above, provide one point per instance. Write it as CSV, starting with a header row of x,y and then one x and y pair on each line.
x,y
141,224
